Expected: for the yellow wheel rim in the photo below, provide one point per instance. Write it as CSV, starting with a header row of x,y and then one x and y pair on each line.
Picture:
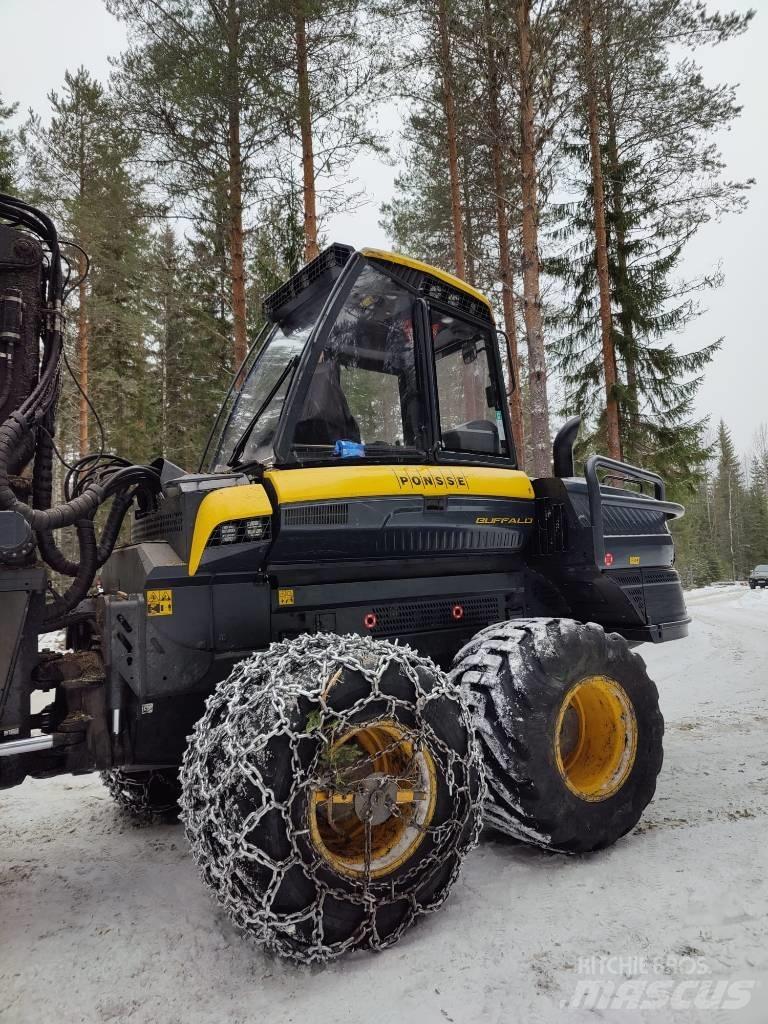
x,y
390,771
595,738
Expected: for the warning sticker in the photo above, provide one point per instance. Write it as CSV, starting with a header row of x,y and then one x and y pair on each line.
x,y
285,597
159,602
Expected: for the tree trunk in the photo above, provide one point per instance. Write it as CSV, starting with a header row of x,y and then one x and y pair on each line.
x,y
474,403
307,151
534,328
236,255
469,227
623,287
449,106
502,228
601,247
83,340
82,356
622,284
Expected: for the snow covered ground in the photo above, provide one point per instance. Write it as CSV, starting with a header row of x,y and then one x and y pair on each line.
x,y
101,921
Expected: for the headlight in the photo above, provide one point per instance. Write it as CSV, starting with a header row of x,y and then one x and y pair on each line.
x,y
240,531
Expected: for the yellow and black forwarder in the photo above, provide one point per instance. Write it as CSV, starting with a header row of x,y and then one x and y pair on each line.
x,y
354,626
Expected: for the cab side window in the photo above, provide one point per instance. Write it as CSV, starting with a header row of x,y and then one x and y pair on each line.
x,y
469,414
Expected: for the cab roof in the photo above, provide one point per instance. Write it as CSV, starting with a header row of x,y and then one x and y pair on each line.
x,y
321,273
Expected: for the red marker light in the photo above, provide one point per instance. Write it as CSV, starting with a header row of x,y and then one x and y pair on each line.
x,y
457,612
370,620
608,558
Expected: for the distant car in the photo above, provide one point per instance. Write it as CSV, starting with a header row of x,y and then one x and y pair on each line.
x,y
759,576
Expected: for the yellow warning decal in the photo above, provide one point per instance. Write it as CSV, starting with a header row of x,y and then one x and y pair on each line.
x,y
159,602
285,597
634,559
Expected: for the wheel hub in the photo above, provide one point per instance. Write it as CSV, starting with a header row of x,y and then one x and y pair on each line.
x,y
372,814
595,738
376,799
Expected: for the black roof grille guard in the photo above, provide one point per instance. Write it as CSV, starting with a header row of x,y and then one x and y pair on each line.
x,y
433,287
446,293
326,268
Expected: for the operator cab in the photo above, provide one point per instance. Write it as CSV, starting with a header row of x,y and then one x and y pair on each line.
x,y
372,357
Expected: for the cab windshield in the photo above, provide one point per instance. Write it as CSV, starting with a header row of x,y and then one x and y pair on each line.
x,y
362,397
255,409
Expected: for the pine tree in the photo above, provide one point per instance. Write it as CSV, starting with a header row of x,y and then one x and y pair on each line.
x,y
196,83
492,25
331,72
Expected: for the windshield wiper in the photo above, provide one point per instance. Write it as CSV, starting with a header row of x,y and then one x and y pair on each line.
x,y
239,448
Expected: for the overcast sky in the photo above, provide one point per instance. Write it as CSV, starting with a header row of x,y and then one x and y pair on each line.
x,y
43,38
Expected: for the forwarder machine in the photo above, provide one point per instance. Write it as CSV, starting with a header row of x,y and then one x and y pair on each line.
x,y
357,631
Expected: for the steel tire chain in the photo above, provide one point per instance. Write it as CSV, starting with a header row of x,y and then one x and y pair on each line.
x,y
132,793
229,747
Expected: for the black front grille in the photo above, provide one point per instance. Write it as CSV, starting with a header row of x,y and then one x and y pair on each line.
x,y
155,526
433,541
419,616
335,514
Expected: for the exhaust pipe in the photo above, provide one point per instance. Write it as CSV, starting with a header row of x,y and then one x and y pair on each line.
x,y
562,448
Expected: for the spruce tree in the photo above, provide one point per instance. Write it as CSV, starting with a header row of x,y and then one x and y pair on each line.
x,y
80,166
728,507
663,180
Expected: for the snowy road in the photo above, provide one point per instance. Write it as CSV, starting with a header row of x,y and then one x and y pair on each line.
x,y
104,922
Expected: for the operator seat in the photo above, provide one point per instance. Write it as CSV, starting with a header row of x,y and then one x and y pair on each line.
x,y
326,417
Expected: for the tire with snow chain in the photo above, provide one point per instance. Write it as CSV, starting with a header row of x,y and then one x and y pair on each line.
x,y
330,792
145,794
570,728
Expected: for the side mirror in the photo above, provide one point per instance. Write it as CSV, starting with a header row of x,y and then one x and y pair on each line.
x,y
562,448
512,381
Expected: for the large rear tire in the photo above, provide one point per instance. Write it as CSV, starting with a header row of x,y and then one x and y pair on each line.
x,y
330,793
570,728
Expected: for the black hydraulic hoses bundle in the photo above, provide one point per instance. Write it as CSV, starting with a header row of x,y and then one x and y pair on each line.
x,y
57,609
29,430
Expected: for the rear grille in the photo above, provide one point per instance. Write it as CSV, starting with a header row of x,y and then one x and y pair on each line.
x,y
656,594
627,579
660,576
155,526
621,520
419,616
317,515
